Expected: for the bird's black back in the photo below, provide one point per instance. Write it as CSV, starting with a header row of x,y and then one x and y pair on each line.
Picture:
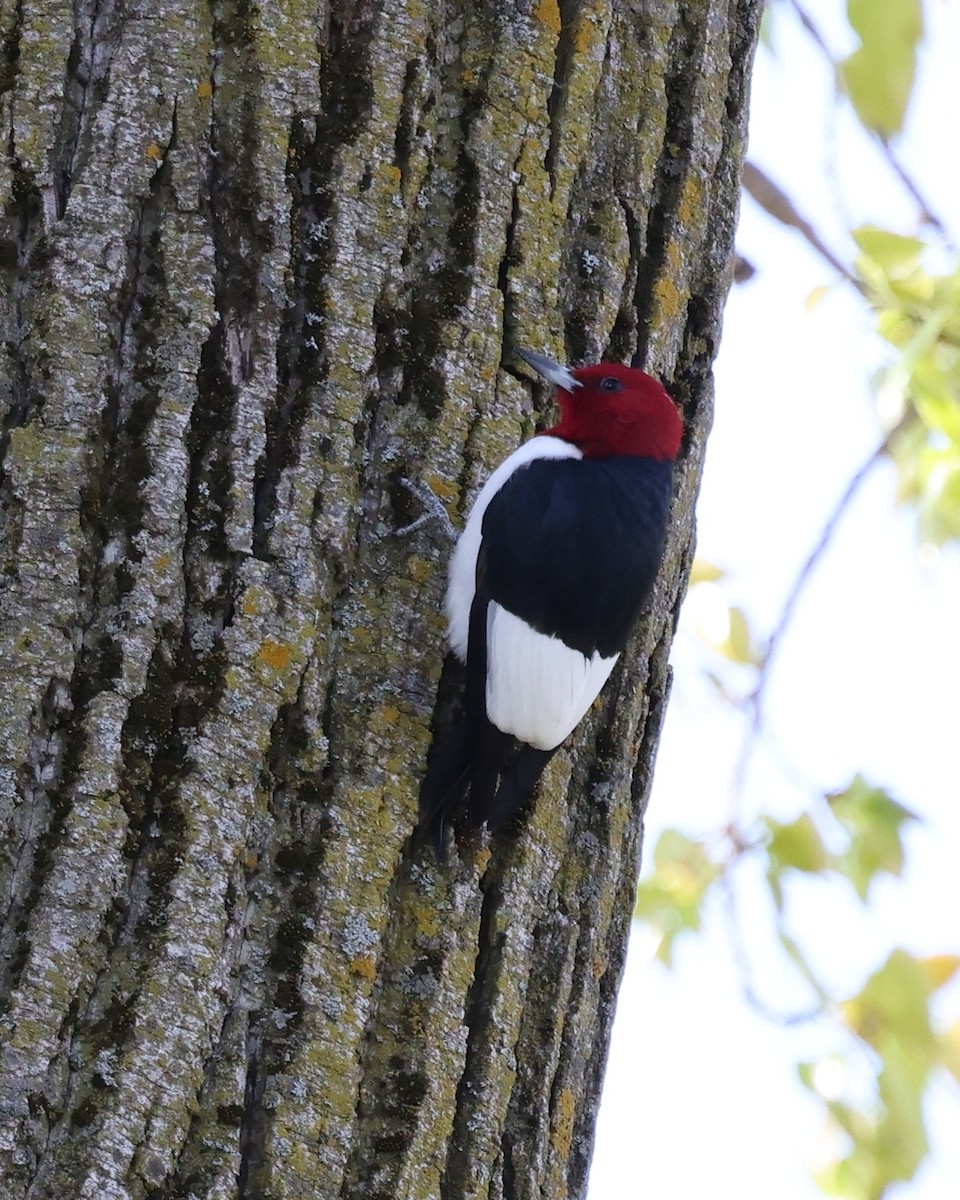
x,y
572,546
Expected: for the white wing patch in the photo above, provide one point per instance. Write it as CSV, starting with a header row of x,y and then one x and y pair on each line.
x,y
463,565
537,687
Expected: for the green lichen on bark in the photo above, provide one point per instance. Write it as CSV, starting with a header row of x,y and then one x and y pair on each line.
x,y
263,262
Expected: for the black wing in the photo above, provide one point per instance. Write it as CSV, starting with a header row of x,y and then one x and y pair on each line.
x,y
574,546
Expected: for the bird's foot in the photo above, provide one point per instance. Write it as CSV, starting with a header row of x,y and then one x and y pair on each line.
x,y
434,510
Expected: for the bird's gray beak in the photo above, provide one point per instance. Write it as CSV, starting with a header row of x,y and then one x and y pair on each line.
x,y
560,376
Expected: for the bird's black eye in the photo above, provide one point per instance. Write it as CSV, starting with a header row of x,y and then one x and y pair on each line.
x,y
610,384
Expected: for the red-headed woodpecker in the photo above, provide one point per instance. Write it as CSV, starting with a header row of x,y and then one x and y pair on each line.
x,y
557,559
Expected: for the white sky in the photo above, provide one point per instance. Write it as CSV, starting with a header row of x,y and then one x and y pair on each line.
x,y
701,1098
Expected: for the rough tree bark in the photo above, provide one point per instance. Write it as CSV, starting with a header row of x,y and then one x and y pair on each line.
x,y
262,261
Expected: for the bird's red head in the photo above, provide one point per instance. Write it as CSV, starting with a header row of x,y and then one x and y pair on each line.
x,y
610,409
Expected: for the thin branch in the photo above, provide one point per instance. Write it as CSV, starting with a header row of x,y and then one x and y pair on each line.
x,y
813,559
774,201
742,962
928,217
753,702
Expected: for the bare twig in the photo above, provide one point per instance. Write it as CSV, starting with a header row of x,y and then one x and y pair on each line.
x,y
813,558
752,704
744,970
777,203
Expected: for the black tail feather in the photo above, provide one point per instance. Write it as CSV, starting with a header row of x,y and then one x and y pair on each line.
x,y
490,751
444,786
517,781
457,763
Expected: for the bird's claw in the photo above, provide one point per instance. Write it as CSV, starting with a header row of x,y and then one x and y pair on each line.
x,y
434,510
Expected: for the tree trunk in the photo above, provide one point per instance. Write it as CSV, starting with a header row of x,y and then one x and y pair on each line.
x,y
264,262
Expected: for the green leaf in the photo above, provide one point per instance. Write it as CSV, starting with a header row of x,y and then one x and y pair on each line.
x,y
940,514
816,296
874,823
893,1009
671,900
887,1140
893,253
902,1140
738,645
939,969
950,1050
705,572
795,845
879,75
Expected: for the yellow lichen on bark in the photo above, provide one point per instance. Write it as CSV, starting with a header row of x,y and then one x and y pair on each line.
x,y
547,12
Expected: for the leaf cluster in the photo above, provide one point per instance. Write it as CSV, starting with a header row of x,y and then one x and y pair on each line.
x,y
866,822
889,1047
918,314
891,1017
